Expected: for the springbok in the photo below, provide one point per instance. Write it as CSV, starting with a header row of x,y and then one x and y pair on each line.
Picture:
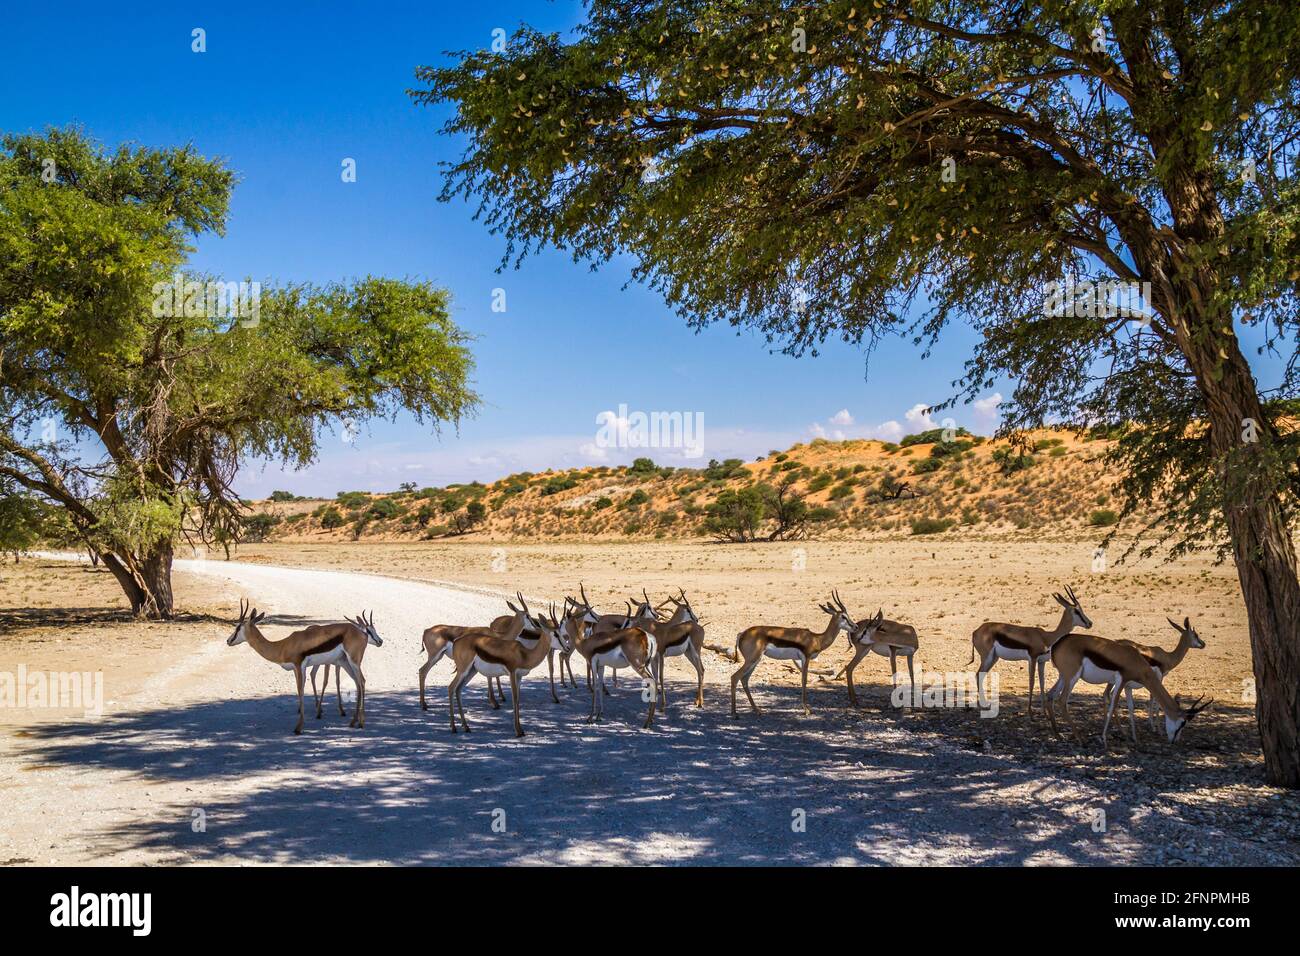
x,y
493,654
1096,660
343,644
681,635
884,637
632,646
438,640
369,627
1162,661
797,644
995,641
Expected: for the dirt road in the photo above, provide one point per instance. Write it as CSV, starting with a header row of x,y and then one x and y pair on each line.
x,y
200,766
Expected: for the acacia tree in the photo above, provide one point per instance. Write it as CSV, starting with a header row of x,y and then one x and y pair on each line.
x,y
858,169
133,416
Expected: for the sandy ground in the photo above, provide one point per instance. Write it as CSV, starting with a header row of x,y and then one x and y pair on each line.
x,y
193,760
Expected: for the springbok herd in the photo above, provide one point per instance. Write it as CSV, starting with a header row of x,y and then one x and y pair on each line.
x,y
514,644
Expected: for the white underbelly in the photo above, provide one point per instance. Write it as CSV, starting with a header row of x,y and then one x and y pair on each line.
x,y
1090,673
1010,653
883,649
615,658
489,668
677,649
783,653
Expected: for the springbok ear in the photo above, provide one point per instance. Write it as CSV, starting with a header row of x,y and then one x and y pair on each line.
x,y
1061,601
1187,623
259,617
1173,624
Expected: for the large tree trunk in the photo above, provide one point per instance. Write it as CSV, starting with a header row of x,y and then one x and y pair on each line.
x,y
1264,553
149,586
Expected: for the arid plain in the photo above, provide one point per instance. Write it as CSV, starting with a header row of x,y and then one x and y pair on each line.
x,y
1207,789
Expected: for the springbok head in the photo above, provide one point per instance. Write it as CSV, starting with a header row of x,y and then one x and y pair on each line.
x,y
1071,603
836,609
367,626
248,617
1174,725
1187,632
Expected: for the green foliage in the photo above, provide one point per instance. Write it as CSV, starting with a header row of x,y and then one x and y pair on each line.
x,y
258,526
602,503
283,496
22,521
642,466
352,500
724,470
558,483
332,518
926,465
175,400
384,509
931,525
736,515
635,499
1103,518
932,435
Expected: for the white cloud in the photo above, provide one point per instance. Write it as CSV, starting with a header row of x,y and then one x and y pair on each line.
x,y
919,418
886,431
842,417
986,409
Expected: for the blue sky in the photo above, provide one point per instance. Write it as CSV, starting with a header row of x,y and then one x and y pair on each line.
x,y
286,92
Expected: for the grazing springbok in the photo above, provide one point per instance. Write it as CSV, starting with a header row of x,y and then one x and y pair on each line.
x,y
493,654
1162,661
995,641
632,646
884,637
343,644
798,644
1096,660
681,635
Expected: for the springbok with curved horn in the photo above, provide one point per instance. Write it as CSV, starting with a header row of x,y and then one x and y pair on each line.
x,y
798,644
681,635
369,627
1096,660
994,641
321,644
1162,661
492,654
438,641
632,646
884,637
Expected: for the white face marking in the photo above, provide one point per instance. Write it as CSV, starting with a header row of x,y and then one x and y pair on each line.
x,y
239,636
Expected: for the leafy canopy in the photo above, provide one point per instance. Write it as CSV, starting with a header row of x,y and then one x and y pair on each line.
x,y
854,170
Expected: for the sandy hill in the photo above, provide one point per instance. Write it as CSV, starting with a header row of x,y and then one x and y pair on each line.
x,y
848,489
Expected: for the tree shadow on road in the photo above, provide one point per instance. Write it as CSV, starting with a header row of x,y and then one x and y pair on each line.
x,y
699,787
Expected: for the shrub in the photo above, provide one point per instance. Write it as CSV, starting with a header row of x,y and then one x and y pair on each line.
x,y
642,466
820,483
931,525
1102,518
256,527
352,500
602,503
843,490
635,499
384,509
283,496
927,465
332,518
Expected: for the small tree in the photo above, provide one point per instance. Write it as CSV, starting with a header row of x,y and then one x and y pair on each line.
x,y
736,515
130,399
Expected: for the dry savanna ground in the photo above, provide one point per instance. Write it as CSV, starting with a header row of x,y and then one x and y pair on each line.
x,y
1200,795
